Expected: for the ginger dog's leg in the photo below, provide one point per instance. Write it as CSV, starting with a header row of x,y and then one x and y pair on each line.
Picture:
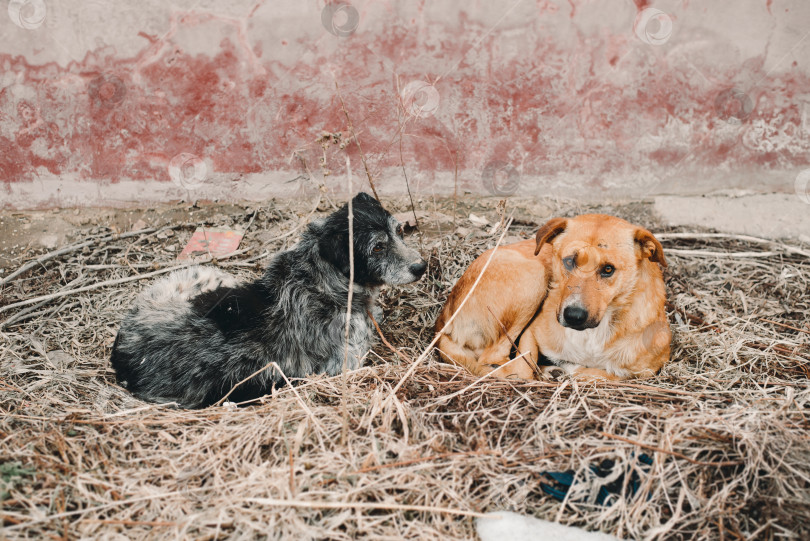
x,y
578,372
531,352
492,358
453,353
497,353
497,356
592,374
523,366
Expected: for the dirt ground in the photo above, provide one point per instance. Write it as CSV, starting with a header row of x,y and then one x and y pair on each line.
x,y
714,447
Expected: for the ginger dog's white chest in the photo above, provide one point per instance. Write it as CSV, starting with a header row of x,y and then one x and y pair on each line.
x,y
586,348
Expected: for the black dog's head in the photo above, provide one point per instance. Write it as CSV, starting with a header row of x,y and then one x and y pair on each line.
x,y
380,253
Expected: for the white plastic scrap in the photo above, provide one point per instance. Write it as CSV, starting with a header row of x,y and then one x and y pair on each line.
x,y
502,525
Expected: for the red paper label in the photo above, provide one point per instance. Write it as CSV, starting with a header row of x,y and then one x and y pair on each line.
x,y
213,241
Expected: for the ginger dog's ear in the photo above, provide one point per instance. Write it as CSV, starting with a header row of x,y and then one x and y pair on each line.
x,y
550,229
650,247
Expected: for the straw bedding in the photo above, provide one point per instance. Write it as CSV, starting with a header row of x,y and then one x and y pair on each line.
x,y
725,424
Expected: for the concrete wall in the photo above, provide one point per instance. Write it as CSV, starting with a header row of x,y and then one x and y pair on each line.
x,y
131,102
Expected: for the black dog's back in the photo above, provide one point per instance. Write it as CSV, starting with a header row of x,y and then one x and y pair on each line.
x,y
235,311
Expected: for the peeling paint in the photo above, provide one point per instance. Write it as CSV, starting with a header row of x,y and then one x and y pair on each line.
x,y
575,101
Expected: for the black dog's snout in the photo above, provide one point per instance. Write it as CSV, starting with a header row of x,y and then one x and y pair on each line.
x,y
575,317
418,269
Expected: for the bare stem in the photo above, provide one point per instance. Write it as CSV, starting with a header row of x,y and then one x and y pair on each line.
x,y
357,142
345,385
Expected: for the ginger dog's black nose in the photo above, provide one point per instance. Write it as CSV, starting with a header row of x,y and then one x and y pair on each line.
x,y
418,269
575,317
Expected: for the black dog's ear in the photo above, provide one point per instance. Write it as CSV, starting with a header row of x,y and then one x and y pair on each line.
x,y
364,198
334,248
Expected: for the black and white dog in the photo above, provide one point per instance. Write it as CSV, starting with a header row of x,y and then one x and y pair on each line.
x,y
191,337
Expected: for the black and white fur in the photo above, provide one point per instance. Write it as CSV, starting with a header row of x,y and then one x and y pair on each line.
x,y
190,337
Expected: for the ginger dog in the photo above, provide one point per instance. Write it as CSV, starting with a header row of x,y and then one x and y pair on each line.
x,y
597,304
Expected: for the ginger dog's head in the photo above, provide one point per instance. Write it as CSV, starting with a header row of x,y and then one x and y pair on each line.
x,y
596,263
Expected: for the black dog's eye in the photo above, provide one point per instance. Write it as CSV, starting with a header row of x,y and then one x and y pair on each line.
x,y
379,247
569,263
607,271
400,231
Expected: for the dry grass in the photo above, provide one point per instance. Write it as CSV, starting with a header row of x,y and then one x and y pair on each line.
x,y
725,423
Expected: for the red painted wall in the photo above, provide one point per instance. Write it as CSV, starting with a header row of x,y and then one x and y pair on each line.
x,y
537,95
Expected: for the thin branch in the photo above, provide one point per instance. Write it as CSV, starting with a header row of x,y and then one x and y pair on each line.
x,y
402,164
301,224
485,452
709,253
785,326
455,190
432,343
529,361
386,342
344,383
32,313
673,453
449,397
72,248
745,238
356,141
278,369
254,374
362,505
116,282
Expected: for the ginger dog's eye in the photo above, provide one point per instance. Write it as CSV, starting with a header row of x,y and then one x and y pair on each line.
x,y
379,247
569,263
607,271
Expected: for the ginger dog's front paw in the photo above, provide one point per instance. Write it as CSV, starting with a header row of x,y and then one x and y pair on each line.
x,y
514,370
553,372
